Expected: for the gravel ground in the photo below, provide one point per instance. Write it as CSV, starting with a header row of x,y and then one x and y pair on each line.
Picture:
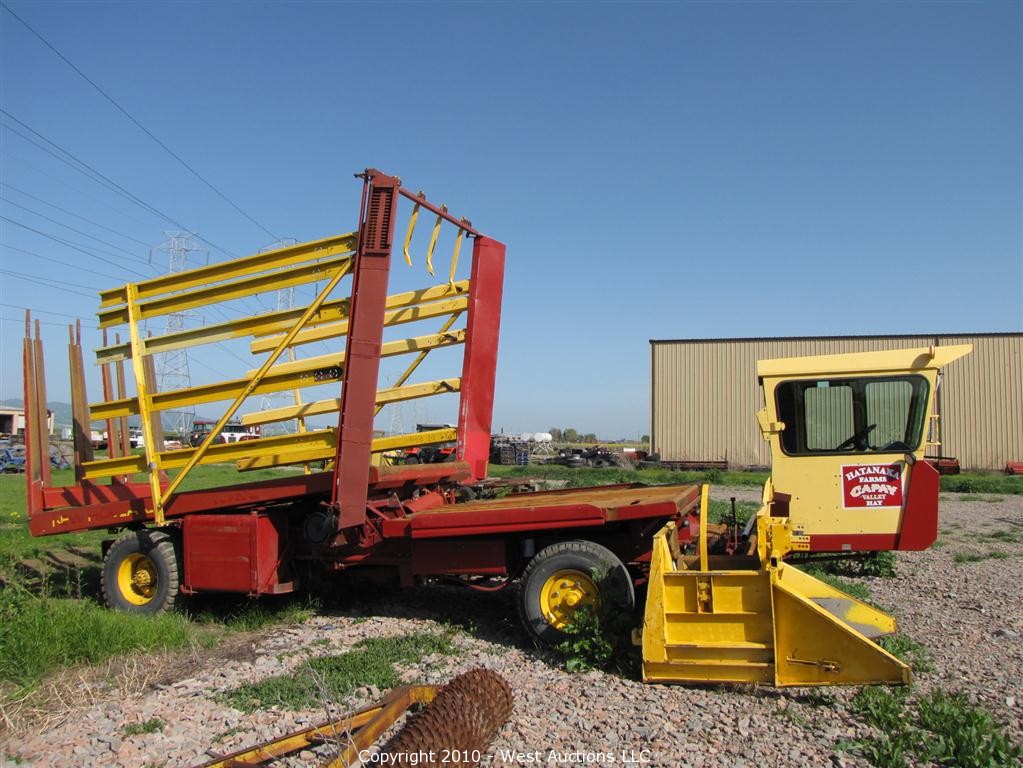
x,y
969,616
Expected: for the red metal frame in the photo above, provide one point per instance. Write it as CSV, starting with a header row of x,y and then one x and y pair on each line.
x,y
362,348
402,517
479,366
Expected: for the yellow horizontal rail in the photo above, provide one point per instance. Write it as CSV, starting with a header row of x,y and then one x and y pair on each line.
x,y
122,465
240,267
266,451
282,377
406,299
309,365
394,317
333,405
236,289
268,323
380,445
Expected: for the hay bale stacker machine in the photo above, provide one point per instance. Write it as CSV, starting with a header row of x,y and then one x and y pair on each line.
x,y
847,438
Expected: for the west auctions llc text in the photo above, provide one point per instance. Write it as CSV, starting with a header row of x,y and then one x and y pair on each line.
x,y
559,757
624,757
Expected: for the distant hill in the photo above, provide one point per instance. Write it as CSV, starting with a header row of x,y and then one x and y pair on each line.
x,y
61,411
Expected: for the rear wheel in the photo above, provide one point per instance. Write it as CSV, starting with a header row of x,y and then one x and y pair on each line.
x,y
565,577
140,572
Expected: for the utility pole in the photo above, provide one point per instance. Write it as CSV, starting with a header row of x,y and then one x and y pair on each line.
x,y
172,370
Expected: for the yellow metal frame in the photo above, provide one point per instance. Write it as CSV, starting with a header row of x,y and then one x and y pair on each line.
x,y
771,624
275,333
355,733
757,619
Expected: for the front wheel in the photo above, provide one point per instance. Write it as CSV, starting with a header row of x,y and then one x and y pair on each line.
x,y
140,572
568,576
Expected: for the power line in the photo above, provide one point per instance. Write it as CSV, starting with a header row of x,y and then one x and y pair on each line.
x,y
58,261
72,213
45,322
40,311
61,224
145,130
64,182
106,180
48,283
74,246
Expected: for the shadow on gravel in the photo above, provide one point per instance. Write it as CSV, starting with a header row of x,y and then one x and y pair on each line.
x,y
487,616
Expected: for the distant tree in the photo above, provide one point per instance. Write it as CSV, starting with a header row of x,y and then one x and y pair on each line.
x,y
570,435
589,437
556,435
645,439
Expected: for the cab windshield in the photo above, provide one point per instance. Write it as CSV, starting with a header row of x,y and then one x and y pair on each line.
x,y
852,415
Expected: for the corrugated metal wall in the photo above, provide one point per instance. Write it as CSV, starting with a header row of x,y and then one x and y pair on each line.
x,y
704,395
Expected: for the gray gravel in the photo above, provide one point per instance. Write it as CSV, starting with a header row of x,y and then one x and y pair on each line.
x,y
968,615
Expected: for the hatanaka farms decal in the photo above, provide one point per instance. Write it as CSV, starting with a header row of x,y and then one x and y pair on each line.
x,y
872,485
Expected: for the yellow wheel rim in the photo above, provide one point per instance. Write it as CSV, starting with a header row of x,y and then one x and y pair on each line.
x,y
564,593
136,579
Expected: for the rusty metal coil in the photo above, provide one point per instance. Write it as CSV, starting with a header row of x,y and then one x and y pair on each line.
x,y
456,727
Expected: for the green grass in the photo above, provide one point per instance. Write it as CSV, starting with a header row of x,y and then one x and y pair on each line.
x,y
941,728
966,483
51,616
586,476
39,634
854,588
333,677
1007,536
976,557
909,651
721,511
980,482
152,725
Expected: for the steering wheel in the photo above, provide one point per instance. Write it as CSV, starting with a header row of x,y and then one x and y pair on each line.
x,y
857,440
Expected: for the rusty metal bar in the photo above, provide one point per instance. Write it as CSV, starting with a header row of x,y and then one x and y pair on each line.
x,y
41,410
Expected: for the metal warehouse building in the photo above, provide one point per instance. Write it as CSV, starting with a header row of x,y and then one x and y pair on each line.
x,y
705,395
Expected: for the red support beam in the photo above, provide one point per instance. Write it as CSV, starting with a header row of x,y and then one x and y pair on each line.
x,y
479,366
362,348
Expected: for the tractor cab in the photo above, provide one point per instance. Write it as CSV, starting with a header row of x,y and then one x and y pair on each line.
x,y
848,434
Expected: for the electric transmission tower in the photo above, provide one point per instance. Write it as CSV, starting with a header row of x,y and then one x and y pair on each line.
x,y
285,301
172,367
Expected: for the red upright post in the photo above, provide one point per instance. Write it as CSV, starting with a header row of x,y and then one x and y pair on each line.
x,y
362,349
479,366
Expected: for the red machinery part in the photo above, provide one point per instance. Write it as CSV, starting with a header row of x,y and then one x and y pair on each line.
x,y
235,553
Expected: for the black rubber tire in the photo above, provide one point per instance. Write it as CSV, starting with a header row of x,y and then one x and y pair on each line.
x,y
159,547
617,593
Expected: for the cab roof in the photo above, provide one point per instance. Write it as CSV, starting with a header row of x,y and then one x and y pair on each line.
x,y
887,361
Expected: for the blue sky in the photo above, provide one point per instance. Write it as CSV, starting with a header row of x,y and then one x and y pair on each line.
x,y
656,170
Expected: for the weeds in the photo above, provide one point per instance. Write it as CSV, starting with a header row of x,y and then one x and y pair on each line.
x,y
721,511
851,588
962,734
600,639
908,650
41,634
976,483
152,725
975,557
942,728
370,663
588,644
1007,536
